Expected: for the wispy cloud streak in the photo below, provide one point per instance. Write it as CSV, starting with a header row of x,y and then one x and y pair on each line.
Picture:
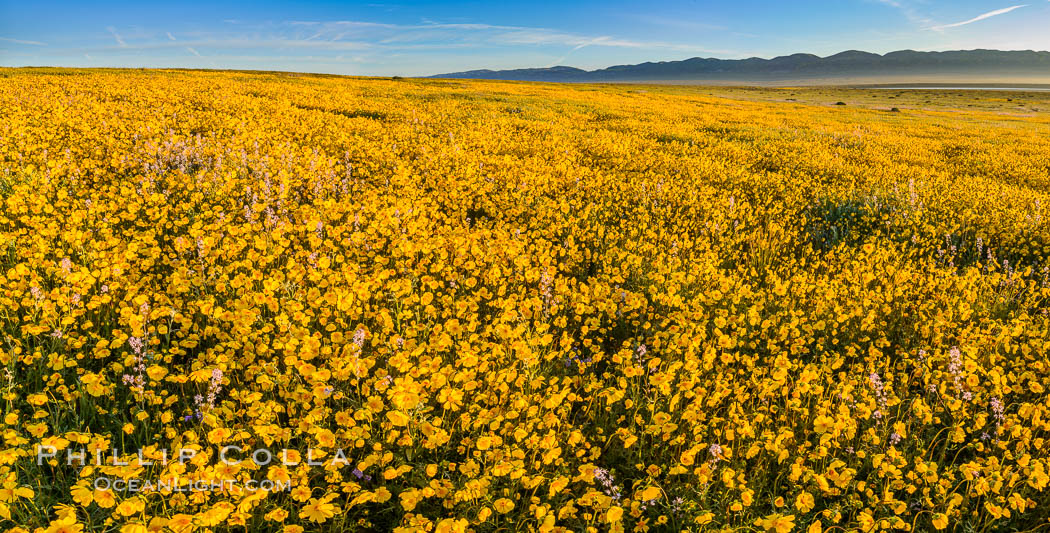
x,y
20,41
909,12
391,34
116,36
983,16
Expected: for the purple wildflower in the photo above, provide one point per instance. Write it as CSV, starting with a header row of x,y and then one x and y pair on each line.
x,y
880,393
955,368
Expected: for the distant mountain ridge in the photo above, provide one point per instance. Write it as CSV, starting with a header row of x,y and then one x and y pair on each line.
x,y
851,63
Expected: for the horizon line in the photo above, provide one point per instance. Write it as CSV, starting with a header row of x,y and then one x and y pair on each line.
x,y
232,69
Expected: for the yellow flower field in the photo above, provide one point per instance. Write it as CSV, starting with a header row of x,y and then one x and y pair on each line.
x,y
443,305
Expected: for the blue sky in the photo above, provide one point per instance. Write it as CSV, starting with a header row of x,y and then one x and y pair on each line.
x,y
420,38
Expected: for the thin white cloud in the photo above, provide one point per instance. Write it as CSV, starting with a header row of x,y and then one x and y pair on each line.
x,y
562,59
989,14
117,37
20,41
391,38
490,34
909,12
170,36
343,24
254,43
191,50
